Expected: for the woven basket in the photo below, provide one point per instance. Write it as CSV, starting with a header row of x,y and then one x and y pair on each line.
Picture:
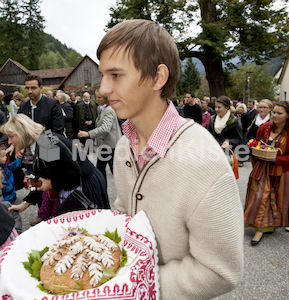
x,y
267,154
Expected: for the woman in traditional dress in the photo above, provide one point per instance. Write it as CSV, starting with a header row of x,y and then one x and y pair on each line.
x,y
63,174
264,114
267,200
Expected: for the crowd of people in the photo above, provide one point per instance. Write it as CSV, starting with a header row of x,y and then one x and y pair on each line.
x,y
233,124
197,225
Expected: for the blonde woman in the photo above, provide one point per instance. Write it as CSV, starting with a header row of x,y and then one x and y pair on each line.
x,y
63,174
264,115
14,104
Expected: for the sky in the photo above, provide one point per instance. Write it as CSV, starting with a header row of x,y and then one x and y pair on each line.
x,y
78,24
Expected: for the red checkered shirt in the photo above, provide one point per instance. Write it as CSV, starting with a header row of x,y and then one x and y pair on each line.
x,y
159,140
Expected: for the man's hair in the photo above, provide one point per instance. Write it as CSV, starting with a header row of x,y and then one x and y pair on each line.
x,y
26,129
1,92
251,101
62,96
191,93
149,45
30,77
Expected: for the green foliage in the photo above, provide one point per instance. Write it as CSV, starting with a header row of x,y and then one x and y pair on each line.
x,y
34,263
23,39
203,91
262,83
113,236
190,78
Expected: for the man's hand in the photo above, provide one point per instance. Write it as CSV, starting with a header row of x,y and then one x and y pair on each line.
x,y
46,185
82,134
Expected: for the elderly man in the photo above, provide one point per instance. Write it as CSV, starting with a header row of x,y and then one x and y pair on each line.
x,y
68,114
49,94
86,114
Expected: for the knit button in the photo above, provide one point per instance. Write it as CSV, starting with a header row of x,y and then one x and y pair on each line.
x,y
139,196
128,164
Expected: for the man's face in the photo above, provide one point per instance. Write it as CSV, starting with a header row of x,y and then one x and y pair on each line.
x,y
250,105
86,97
189,99
1,96
49,94
33,89
129,97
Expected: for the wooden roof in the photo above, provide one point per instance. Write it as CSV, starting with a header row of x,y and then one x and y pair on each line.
x,y
15,63
52,73
285,65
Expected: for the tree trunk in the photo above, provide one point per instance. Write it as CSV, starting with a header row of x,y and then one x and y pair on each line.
x,y
214,75
211,58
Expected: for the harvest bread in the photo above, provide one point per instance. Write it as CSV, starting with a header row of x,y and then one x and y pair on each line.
x,y
77,262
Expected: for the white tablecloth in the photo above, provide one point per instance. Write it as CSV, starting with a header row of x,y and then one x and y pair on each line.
x,y
137,280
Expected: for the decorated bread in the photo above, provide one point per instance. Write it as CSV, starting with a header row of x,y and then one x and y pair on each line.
x,y
79,262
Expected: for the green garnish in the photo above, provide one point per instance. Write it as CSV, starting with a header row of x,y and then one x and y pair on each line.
x,y
34,263
123,258
113,236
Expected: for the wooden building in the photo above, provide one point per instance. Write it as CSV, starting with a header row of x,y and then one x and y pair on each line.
x,y
85,77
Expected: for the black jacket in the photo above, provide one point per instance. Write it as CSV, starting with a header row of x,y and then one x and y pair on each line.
x,y
232,132
251,116
68,119
64,173
6,225
3,137
47,113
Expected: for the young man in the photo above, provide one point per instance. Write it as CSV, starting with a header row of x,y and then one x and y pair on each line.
x,y
199,225
192,109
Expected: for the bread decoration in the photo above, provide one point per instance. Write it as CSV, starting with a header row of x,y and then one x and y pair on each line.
x,y
78,262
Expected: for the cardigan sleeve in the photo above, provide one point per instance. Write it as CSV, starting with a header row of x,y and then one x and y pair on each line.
x,y
214,263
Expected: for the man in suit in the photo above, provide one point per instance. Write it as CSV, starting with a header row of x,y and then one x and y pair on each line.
x,y
251,111
41,109
86,114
